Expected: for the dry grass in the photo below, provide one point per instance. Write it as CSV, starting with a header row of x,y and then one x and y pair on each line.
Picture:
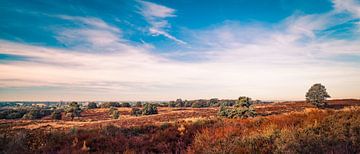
x,y
93,118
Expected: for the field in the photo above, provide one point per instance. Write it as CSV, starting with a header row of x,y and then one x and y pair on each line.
x,y
183,130
93,118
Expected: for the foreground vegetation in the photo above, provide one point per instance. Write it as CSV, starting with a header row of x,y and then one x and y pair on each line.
x,y
307,131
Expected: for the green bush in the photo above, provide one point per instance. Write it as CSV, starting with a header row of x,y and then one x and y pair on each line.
x,y
149,109
109,104
200,104
56,115
125,104
73,110
172,104
92,105
179,103
138,104
135,111
242,109
115,114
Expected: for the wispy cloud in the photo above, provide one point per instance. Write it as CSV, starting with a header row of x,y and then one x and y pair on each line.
x,y
156,15
351,6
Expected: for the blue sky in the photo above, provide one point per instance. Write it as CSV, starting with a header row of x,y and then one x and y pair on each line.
x,y
163,50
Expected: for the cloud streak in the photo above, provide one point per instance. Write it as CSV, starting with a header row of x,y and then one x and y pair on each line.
x,y
156,15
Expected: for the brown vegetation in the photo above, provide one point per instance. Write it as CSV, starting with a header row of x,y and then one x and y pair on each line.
x,y
290,127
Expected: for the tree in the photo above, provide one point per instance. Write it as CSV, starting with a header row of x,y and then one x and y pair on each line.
x,y
172,104
110,104
317,95
138,104
179,103
74,110
214,102
92,105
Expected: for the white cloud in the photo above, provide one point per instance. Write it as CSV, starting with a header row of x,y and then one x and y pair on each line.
x,y
253,60
351,6
156,15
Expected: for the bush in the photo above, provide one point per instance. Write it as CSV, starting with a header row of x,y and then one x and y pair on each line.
x,y
243,101
92,105
214,102
125,104
135,111
242,109
317,95
56,115
149,109
138,104
179,103
110,104
37,114
172,104
73,110
199,104
115,114
188,103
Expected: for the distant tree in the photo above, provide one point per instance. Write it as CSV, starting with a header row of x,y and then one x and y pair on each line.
x,y
92,105
214,102
199,104
149,109
56,115
33,114
317,95
138,104
125,104
110,104
135,111
179,103
172,104
73,110
187,103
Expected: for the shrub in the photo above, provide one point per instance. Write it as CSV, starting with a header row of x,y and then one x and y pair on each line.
x,y
214,102
92,105
149,109
138,104
56,115
243,101
125,104
115,114
37,114
172,104
135,111
238,112
110,104
241,110
73,110
179,103
317,95
199,104
188,103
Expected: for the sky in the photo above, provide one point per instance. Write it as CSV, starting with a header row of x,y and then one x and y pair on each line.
x,y
129,50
